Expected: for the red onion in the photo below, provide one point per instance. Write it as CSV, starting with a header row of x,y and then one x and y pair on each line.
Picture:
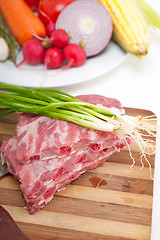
x,y
88,23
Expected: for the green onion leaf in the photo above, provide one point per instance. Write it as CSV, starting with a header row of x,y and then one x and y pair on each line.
x,y
151,16
56,104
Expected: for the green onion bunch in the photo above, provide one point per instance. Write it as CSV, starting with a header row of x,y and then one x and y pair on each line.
x,y
56,104
59,105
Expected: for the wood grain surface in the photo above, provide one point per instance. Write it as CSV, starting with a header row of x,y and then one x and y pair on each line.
x,y
112,201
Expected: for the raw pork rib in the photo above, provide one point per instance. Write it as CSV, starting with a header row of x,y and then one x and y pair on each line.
x,y
47,154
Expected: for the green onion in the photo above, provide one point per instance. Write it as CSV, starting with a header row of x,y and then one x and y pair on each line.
x,y
59,105
55,104
151,16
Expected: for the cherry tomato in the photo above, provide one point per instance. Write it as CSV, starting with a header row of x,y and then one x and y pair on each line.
x,y
33,3
52,9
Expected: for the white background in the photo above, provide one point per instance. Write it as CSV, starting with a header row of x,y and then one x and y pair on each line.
x,y
136,83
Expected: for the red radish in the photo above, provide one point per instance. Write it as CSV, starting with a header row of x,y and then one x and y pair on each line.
x,y
53,58
59,38
74,55
33,52
50,27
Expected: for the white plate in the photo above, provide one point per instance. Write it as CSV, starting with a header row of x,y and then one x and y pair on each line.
x,y
35,76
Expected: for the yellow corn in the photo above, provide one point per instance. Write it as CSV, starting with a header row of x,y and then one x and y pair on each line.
x,y
129,27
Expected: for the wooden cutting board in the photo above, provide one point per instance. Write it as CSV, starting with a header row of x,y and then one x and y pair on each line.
x,y
112,201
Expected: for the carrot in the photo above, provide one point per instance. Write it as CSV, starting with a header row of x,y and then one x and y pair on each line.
x,y
21,20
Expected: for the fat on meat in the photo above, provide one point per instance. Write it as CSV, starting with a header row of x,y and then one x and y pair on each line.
x,y
47,154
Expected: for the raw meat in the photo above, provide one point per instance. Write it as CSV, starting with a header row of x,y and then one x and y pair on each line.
x,y
47,154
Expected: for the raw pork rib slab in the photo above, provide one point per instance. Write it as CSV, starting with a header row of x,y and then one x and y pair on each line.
x,y
47,154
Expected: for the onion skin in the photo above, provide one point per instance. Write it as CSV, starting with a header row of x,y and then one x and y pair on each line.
x,y
88,23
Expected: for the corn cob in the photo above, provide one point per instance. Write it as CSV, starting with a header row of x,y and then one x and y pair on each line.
x,y
129,27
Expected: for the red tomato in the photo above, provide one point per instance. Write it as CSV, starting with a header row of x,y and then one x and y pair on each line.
x,y
52,9
33,3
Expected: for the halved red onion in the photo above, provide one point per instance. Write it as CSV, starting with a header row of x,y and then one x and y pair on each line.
x,y
88,23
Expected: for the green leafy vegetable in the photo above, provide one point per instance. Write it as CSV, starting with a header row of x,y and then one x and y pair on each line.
x,y
59,105
14,46
55,104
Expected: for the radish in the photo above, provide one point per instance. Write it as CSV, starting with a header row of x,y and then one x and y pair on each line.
x,y
33,52
74,55
59,38
50,27
53,58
